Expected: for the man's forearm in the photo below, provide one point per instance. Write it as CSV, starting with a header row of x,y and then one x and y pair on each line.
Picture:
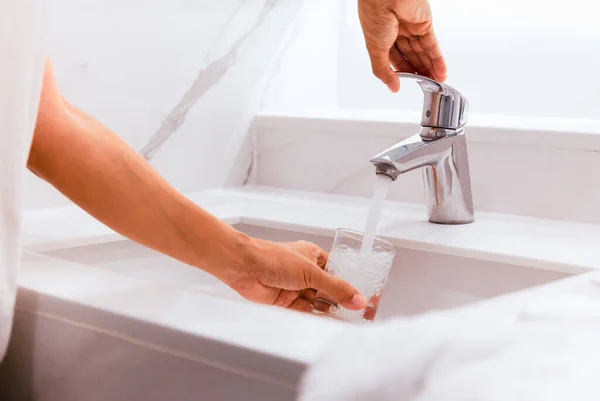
x,y
98,171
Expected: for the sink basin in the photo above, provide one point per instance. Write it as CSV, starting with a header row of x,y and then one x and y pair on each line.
x,y
136,315
419,281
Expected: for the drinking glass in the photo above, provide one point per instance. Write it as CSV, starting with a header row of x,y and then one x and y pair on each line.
x,y
364,262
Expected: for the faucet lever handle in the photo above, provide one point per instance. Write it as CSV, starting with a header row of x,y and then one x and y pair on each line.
x,y
443,107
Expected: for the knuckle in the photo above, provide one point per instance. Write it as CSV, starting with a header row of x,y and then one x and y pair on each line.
x,y
311,250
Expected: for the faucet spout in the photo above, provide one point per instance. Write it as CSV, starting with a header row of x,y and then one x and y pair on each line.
x,y
410,154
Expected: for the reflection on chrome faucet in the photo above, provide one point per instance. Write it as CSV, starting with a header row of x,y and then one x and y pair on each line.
x,y
441,149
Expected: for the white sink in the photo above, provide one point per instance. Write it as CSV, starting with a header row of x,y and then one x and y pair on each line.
x,y
419,281
135,315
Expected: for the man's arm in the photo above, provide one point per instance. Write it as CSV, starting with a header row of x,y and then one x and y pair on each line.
x,y
98,171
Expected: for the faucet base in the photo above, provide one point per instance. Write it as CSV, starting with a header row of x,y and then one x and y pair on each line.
x,y
448,186
451,223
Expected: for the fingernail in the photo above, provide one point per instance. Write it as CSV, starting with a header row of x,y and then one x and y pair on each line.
x,y
358,300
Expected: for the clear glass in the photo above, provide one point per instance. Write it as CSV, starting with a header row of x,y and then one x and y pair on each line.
x,y
366,270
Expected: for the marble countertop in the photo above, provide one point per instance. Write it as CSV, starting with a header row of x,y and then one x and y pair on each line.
x,y
267,343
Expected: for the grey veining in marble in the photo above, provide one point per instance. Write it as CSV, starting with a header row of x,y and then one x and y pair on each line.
x,y
178,80
206,79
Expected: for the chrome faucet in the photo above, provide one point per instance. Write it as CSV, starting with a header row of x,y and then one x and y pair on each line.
x,y
441,149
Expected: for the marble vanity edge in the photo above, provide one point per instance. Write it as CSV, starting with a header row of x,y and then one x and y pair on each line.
x,y
147,311
538,243
561,133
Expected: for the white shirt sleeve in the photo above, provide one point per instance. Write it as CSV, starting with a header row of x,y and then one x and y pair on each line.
x,y
21,71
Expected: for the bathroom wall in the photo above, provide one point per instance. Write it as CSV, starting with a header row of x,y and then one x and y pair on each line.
x,y
179,80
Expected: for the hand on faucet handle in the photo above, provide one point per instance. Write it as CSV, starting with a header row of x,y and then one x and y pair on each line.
x,y
399,34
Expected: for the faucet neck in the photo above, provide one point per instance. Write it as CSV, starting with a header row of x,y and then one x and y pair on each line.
x,y
434,133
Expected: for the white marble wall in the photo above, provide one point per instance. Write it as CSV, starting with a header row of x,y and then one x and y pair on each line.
x,y
179,80
306,78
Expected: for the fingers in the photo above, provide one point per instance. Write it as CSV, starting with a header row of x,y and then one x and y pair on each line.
x,y
407,50
433,53
399,62
402,37
309,295
310,251
321,257
324,303
286,298
423,54
380,28
302,271
415,44
381,65
297,300
342,292
301,305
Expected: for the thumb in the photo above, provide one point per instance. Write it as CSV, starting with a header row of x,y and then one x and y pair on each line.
x,y
382,69
341,292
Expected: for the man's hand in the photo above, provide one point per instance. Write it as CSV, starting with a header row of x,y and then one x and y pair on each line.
x,y
399,34
288,275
